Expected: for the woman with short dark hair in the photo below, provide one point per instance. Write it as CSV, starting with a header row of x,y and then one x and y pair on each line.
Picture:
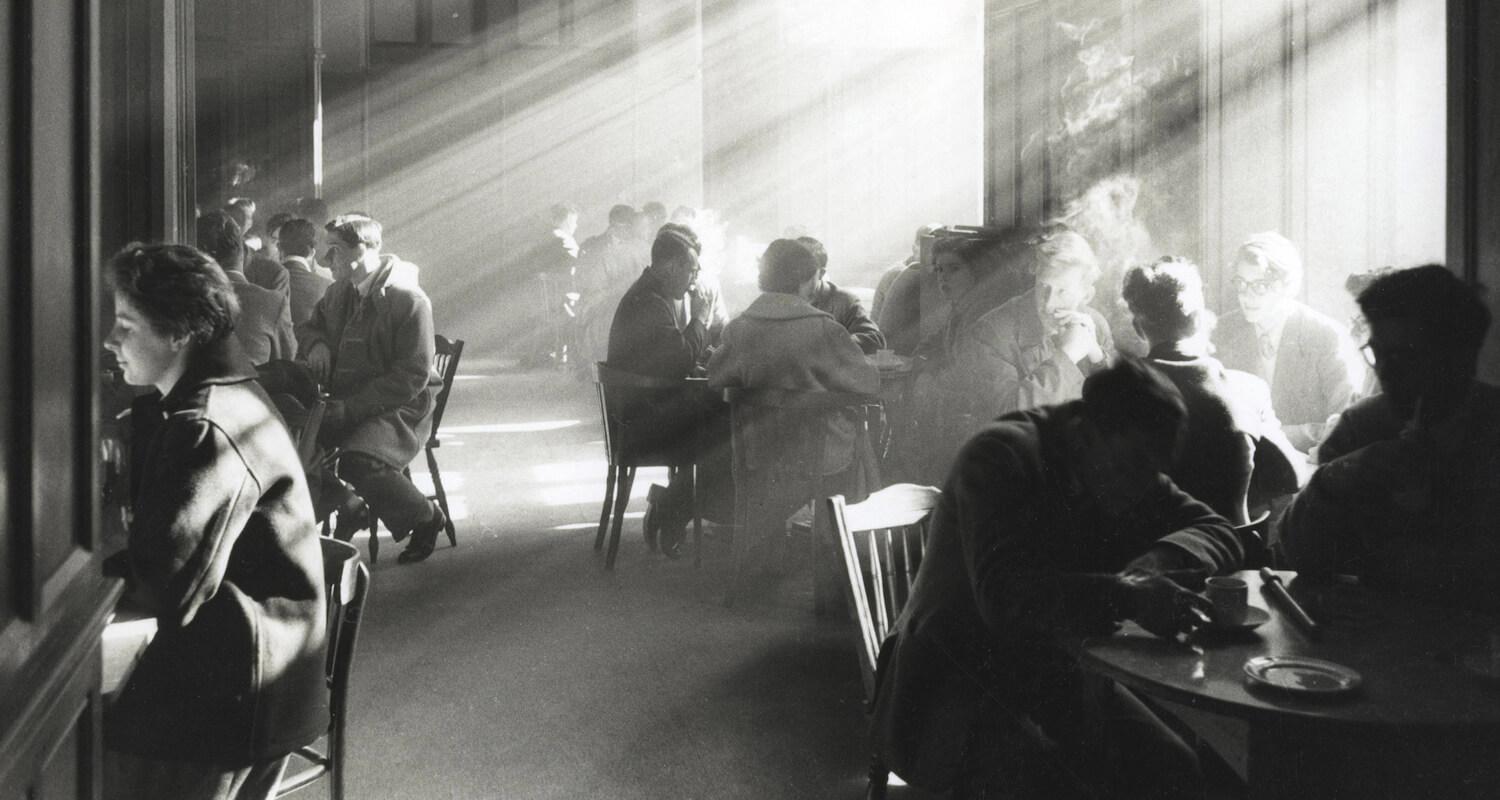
x,y
223,549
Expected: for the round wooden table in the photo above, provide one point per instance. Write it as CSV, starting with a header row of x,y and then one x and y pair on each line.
x,y
1418,725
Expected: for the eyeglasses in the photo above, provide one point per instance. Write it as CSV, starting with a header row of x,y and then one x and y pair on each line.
x,y
1260,287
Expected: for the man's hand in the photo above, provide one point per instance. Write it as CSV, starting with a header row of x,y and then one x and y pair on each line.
x,y
700,303
1077,337
1161,605
319,360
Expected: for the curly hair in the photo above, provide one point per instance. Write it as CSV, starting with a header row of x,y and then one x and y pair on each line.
x,y
1166,299
180,289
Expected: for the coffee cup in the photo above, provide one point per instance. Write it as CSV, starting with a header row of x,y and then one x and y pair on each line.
x,y
1231,599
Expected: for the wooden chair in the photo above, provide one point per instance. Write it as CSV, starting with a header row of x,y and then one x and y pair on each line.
x,y
348,584
882,541
779,441
630,445
446,361
448,352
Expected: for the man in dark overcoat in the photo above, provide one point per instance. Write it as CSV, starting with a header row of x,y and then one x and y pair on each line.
x,y
1055,523
370,343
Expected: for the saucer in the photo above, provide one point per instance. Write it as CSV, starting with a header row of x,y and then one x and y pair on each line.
x,y
1310,676
1254,618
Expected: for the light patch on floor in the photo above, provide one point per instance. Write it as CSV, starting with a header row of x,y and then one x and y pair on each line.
x,y
540,426
578,526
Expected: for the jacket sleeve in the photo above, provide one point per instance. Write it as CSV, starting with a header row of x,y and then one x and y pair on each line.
x,y
864,331
194,500
314,330
1011,575
644,327
409,372
284,341
723,365
848,370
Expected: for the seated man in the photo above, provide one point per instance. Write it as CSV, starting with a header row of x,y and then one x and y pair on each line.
x,y
1037,348
1415,512
1304,355
908,306
297,241
264,326
1233,437
370,343
661,330
263,267
782,342
841,305
976,276
1054,523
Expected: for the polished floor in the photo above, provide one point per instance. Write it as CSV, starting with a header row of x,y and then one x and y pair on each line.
x,y
514,666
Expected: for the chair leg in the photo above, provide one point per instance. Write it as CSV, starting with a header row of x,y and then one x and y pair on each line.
x,y
697,516
622,499
880,777
374,538
609,500
442,497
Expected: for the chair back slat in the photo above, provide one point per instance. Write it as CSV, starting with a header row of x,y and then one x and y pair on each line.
x,y
620,393
347,582
448,353
882,541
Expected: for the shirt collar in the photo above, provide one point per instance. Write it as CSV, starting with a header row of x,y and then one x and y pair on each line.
x,y
300,261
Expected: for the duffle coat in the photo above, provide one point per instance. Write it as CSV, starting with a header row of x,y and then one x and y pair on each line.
x,y
223,551
382,370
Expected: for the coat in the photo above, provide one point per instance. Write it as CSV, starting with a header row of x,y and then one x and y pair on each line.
x,y
1233,435
1012,363
266,274
305,287
1415,512
1316,369
223,551
384,381
646,338
844,307
1019,556
264,326
782,342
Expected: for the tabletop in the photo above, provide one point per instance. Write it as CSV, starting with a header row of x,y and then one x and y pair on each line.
x,y
1406,651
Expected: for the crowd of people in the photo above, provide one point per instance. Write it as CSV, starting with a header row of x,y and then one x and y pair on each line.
x,y
1085,483
1082,486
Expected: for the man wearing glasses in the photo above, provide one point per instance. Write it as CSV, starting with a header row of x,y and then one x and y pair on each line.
x,y
1304,355
1415,509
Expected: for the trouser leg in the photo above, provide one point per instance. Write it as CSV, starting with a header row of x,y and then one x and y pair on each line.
x,y
392,498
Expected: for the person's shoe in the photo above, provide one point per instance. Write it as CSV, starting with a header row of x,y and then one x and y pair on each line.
x,y
354,516
424,538
651,521
670,539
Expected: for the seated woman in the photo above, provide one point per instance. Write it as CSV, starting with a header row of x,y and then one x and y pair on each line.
x,y
1232,430
1306,357
975,277
782,342
223,550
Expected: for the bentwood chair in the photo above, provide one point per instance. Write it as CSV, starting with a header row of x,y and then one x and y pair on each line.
x,y
445,361
881,543
347,582
631,442
779,441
